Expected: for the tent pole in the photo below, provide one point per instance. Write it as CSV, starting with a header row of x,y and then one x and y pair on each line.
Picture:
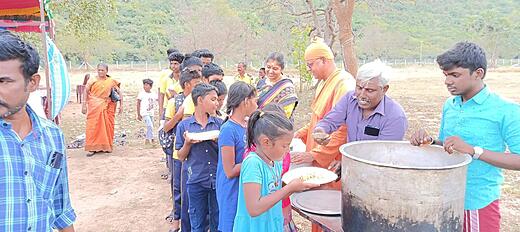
x,y
46,65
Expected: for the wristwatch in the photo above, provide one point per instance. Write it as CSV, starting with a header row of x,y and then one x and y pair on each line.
x,y
477,152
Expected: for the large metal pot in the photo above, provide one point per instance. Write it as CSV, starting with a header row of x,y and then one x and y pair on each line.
x,y
394,186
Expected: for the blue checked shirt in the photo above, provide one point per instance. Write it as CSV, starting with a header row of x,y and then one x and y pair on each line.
x,y
34,196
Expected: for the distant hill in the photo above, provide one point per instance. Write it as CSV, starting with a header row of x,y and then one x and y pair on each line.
x,y
247,30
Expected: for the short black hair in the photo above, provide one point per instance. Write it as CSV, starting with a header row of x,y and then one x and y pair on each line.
x,y
201,90
206,53
221,87
211,69
14,48
176,56
465,55
243,64
263,69
148,81
187,76
171,50
190,61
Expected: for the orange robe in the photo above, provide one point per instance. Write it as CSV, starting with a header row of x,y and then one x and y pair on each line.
x,y
101,113
328,93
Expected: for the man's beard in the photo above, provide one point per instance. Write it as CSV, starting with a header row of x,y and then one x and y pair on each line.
x,y
10,110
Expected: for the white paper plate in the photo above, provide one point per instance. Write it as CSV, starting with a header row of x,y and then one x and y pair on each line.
x,y
318,175
207,135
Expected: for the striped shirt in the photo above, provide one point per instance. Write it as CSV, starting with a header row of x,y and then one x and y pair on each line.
x,y
34,196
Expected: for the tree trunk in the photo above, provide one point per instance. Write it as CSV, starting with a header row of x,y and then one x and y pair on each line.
x,y
316,30
329,35
343,9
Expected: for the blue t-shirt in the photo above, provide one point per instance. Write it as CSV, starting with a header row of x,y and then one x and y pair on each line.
x,y
487,121
255,170
232,135
201,163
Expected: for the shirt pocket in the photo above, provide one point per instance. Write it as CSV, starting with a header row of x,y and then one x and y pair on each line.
x,y
45,178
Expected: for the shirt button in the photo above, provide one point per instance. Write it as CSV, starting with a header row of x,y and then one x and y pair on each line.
x,y
209,162
210,174
4,124
22,144
26,173
28,200
206,151
29,228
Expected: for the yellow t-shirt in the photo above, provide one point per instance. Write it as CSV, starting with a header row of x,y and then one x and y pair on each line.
x,y
164,82
246,78
189,106
176,86
168,114
170,109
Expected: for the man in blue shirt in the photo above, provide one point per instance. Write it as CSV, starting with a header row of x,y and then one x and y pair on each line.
x,y
201,157
480,123
34,192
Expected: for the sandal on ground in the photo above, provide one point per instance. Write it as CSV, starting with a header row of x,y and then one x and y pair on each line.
x,y
164,176
171,220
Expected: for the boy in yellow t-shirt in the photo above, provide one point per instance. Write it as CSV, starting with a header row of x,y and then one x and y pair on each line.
x,y
167,79
188,80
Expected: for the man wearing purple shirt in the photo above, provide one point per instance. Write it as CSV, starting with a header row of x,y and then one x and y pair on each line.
x,y
368,113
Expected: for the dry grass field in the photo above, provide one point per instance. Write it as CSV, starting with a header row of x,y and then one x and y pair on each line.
x,y
123,191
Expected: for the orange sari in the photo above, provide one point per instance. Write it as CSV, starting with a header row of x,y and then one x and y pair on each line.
x,y
101,113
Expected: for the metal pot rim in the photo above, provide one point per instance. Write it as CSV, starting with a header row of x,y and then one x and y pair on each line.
x,y
467,157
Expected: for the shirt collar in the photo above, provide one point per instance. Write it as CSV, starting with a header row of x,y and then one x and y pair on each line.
x,y
191,120
37,124
380,109
479,98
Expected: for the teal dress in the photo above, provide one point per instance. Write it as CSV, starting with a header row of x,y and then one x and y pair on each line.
x,y
255,170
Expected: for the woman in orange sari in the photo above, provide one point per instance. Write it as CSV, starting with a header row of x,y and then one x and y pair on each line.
x,y
102,94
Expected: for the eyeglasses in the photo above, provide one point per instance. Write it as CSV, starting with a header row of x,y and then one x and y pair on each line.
x,y
309,65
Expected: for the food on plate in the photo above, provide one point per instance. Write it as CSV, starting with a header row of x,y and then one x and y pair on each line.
x,y
313,175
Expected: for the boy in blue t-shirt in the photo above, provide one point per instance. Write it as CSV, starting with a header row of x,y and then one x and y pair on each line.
x,y
200,158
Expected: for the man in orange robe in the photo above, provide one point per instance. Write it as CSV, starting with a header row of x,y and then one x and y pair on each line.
x,y
334,83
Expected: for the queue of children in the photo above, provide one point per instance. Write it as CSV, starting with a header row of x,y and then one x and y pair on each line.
x,y
229,183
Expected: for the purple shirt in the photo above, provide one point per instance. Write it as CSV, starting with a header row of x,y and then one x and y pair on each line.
x,y
387,122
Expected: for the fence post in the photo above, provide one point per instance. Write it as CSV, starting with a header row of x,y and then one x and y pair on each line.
x,y
146,67
117,64
132,64
160,65
70,65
